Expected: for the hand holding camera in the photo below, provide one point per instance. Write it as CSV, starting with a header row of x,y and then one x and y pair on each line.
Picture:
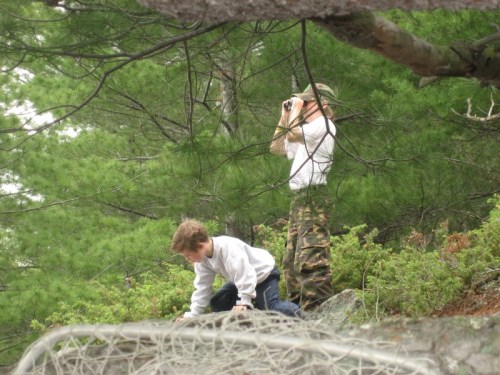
x,y
292,103
287,105
290,118
292,110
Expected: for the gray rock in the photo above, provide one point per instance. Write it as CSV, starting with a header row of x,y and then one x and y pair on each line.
x,y
335,312
457,345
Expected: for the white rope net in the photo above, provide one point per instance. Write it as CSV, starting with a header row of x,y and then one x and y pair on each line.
x,y
248,343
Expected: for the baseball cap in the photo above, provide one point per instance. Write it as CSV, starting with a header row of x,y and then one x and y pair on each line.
x,y
324,92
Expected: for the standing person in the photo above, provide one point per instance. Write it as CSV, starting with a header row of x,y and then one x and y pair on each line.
x,y
250,272
306,135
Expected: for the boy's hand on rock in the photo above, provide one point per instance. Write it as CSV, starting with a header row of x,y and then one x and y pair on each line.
x,y
240,308
179,319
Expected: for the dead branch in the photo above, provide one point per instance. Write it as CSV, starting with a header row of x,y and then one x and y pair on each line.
x,y
488,118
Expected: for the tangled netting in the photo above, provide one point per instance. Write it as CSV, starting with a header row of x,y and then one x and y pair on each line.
x,y
252,342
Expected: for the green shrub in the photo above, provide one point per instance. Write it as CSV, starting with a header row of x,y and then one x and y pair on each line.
x,y
272,240
149,297
482,256
416,282
352,259
411,283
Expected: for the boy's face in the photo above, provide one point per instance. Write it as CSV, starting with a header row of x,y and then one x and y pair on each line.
x,y
193,256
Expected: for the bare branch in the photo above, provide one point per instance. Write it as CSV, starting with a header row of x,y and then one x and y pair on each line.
x,y
488,118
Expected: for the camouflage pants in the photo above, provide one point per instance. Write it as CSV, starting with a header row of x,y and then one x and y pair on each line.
x,y
306,263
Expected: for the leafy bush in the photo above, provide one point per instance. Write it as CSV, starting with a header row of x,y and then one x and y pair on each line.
x,y
483,253
416,282
412,283
272,240
149,297
353,256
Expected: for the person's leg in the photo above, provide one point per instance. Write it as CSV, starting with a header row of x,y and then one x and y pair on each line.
x,y
313,254
225,298
268,296
293,286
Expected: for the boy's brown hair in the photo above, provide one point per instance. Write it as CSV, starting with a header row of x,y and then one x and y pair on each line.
x,y
189,235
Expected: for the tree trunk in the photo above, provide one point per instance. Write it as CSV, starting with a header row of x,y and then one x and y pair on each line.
x,y
229,105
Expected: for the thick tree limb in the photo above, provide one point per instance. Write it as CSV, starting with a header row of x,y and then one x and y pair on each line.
x,y
369,31
230,10
353,22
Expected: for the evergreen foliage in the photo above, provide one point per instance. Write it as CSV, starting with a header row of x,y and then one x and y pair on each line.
x,y
148,297
137,146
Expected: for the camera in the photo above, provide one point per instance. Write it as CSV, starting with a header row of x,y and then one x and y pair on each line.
x,y
288,105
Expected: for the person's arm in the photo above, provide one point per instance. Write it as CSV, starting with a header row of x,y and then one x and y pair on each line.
x,y
295,135
294,131
288,127
277,146
200,298
246,282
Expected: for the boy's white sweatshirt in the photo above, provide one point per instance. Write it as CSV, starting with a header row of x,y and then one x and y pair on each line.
x,y
239,263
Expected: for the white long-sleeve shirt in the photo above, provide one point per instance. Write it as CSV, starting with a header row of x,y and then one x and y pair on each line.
x,y
312,159
238,263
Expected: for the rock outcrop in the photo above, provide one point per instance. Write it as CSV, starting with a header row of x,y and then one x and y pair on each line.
x,y
456,345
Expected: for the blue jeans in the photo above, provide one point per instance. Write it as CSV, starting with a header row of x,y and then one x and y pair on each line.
x,y
267,297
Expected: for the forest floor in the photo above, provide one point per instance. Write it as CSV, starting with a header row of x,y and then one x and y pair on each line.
x,y
483,301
